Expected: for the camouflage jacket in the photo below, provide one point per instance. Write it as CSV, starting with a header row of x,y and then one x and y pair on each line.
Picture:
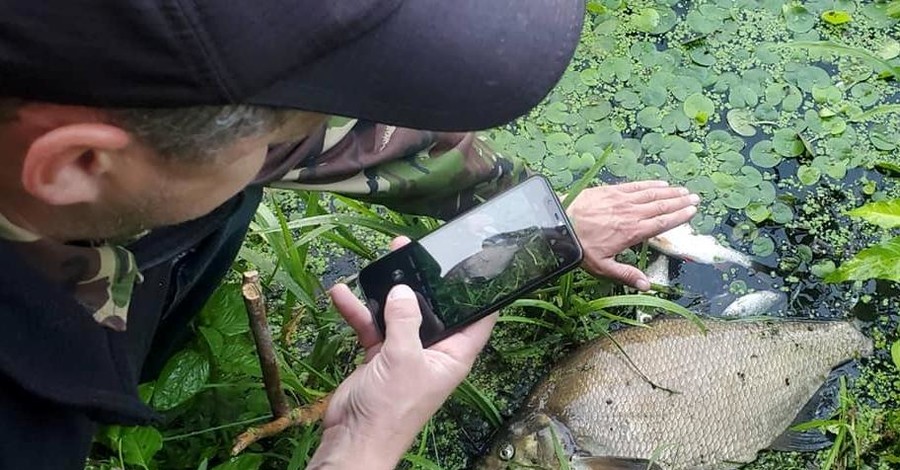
x,y
413,171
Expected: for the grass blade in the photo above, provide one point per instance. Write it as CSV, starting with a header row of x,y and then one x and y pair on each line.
x,y
473,396
637,300
587,178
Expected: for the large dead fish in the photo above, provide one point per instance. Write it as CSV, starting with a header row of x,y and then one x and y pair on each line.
x,y
682,242
681,399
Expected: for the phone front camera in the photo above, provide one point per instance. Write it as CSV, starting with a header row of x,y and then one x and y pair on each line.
x,y
397,275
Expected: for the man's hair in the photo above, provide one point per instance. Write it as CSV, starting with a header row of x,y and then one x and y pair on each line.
x,y
196,133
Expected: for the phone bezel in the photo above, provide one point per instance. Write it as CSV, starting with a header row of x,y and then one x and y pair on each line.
x,y
554,209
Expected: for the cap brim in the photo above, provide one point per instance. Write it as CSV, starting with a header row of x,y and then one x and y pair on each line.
x,y
441,65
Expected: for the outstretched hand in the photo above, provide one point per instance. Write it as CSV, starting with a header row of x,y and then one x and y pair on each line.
x,y
376,412
609,219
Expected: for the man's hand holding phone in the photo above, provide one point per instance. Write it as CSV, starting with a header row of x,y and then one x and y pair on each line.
x,y
378,410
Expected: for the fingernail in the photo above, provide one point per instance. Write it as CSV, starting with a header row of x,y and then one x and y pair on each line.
x,y
694,199
643,284
692,210
401,291
683,191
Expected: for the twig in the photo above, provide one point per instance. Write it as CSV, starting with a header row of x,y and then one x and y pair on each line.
x,y
265,348
303,415
285,417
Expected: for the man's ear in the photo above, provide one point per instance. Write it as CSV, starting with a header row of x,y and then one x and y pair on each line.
x,y
67,165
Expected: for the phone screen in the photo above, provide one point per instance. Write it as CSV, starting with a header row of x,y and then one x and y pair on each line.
x,y
481,260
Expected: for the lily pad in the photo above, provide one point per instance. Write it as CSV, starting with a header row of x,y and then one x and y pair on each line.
x,y
750,176
647,20
559,143
741,96
757,212
808,175
732,162
882,139
702,185
628,99
561,179
530,150
865,94
703,56
782,213
798,18
649,117
736,199
763,154
822,268
836,17
787,143
699,108
740,121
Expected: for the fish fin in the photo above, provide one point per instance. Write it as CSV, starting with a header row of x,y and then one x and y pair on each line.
x,y
613,463
823,404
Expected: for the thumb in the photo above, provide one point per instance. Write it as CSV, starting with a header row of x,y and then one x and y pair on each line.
x,y
402,319
625,274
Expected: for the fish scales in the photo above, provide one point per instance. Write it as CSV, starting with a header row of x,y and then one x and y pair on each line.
x,y
730,393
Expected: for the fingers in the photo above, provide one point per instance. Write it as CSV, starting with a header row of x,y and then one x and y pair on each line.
x,y
402,319
656,194
623,273
356,314
465,344
399,242
655,225
666,206
640,185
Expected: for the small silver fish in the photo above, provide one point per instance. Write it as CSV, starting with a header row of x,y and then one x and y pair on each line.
x,y
682,242
754,303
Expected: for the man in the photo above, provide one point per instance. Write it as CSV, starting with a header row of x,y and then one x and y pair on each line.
x,y
137,135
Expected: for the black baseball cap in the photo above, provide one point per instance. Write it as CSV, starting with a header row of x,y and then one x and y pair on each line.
x,y
429,64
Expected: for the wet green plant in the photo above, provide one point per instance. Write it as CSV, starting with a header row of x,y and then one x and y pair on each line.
x,y
881,261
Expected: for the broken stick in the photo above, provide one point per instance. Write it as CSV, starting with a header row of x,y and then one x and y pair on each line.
x,y
284,416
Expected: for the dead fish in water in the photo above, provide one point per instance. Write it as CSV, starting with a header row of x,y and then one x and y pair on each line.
x,y
682,242
754,303
715,400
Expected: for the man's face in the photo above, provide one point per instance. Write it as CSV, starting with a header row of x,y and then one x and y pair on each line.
x,y
148,191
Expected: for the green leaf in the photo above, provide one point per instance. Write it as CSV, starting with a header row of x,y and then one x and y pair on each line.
x,y
763,246
470,394
757,212
646,20
639,300
588,177
559,143
225,311
787,143
798,18
808,175
242,462
823,268
895,354
885,214
140,444
841,49
698,107
876,262
420,462
740,121
836,17
888,168
763,154
181,378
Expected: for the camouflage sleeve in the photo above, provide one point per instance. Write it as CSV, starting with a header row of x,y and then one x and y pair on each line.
x,y
412,171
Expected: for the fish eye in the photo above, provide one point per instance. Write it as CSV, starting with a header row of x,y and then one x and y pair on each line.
x,y
507,452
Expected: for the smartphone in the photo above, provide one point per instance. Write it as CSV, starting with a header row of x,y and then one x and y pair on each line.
x,y
478,262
